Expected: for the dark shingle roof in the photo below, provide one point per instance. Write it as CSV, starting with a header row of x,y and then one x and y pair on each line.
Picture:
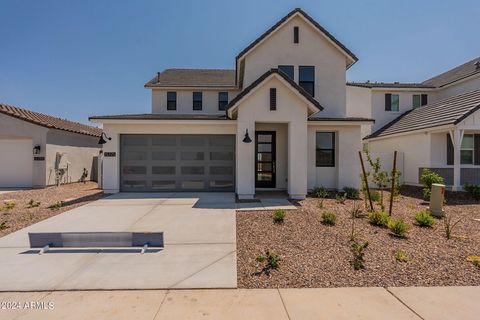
x,y
448,111
254,84
311,20
49,121
458,73
154,116
193,78
389,85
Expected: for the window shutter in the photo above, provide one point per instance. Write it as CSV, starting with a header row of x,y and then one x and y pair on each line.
x,y
449,150
476,149
424,99
273,99
295,35
388,102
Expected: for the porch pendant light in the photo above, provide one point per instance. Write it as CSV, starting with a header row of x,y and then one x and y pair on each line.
x,y
102,140
247,137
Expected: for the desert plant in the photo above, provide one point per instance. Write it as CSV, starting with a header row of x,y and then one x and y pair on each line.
x,y
424,218
340,198
3,225
475,260
351,193
322,193
398,227
401,256
279,216
473,189
272,260
356,211
427,178
375,195
57,205
358,250
379,218
33,204
449,225
8,205
329,218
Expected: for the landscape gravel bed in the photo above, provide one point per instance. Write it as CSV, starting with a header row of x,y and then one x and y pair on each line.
x,y
317,255
62,198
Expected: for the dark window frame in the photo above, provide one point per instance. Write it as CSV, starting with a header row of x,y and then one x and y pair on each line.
x,y
388,102
197,100
287,69
422,100
171,102
273,99
296,34
332,150
222,100
311,82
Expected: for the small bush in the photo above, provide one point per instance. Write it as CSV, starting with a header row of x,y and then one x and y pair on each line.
x,y
473,189
278,216
398,227
375,195
358,250
340,198
33,204
320,192
8,205
356,211
329,218
351,193
4,225
272,260
449,225
56,205
401,256
379,218
475,260
423,218
428,178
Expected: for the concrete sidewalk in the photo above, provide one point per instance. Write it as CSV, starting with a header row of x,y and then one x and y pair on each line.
x,y
336,303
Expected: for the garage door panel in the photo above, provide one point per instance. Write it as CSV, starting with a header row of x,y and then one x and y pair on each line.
x,y
177,162
16,163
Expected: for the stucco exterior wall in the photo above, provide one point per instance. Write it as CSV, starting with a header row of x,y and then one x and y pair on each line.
x,y
185,101
330,63
78,149
359,104
111,165
415,148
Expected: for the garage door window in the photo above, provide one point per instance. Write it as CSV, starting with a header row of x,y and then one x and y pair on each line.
x,y
191,155
163,170
134,170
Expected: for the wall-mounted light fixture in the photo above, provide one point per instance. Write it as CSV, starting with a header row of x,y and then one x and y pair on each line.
x,y
247,137
37,149
102,140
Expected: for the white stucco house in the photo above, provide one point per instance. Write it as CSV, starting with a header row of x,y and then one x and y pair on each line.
x,y
279,121
34,147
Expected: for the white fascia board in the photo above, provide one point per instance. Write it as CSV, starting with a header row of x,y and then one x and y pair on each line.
x,y
158,121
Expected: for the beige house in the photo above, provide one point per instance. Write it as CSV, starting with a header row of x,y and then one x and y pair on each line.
x,y
279,121
37,148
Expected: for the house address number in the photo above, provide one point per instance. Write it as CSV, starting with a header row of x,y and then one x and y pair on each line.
x,y
110,154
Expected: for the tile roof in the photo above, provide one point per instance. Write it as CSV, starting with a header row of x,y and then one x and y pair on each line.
x,y
316,118
254,84
49,121
193,78
458,73
445,112
156,116
392,85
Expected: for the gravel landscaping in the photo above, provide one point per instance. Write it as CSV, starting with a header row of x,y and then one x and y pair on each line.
x,y
314,254
32,206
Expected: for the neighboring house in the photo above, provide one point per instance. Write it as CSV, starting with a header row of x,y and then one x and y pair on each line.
x,y
279,121
434,124
35,146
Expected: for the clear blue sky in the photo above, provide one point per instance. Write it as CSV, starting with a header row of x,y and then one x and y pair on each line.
x,y
76,59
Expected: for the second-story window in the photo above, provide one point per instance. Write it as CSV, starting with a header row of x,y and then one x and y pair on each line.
x,y
419,100
392,102
171,100
222,100
287,69
197,101
296,35
306,79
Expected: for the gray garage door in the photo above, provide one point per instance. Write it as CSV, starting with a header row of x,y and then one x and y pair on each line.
x,y
177,162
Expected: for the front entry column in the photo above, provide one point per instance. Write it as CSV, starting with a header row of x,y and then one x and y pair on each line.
x,y
456,136
245,158
297,159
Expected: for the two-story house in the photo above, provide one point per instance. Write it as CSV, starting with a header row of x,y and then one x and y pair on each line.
x,y
279,121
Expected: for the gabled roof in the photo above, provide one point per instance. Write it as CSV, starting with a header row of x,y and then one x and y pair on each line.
x,y
193,78
316,105
302,13
449,111
463,71
389,85
49,121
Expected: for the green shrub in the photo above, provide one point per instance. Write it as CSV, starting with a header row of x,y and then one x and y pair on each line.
x,y
398,227
475,260
374,195
33,204
279,216
379,218
57,205
320,192
8,205
428,178
401,256
424,219
358,250
473,189
351,193
3,225
449,225
329,218
271,260
340,198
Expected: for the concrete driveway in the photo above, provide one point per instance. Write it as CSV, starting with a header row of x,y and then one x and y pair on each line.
x,y
200,249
